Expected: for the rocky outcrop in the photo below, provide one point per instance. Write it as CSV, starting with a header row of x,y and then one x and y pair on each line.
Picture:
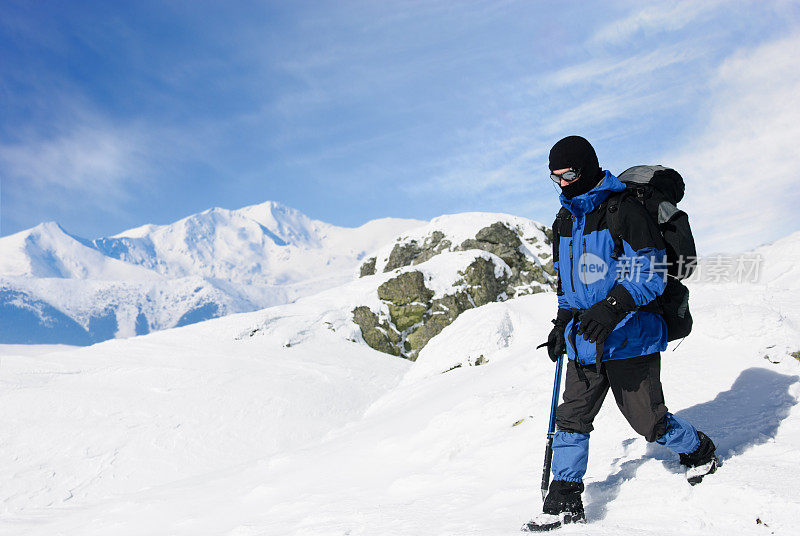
x,y
378,334
527,275
408,299
405,289
411,252
501,240
368,267
415,316
411,314
403,254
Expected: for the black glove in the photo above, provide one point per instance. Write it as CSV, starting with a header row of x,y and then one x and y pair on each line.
x,y
556,344
599,320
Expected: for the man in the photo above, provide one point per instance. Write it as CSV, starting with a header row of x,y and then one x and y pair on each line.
x,y
609,327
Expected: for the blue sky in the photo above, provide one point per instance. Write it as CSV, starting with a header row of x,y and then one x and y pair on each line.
x,y
117,114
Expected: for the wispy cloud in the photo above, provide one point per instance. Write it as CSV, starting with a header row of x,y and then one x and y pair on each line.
x,y
90,159
742,164
82,161
669,16
586,97
353,109
729,121
619,70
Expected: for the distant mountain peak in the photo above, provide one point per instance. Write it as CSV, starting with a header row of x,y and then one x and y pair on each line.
x,y
206,264
289,224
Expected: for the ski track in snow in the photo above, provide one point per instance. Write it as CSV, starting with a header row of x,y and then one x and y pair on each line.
x,y
205,430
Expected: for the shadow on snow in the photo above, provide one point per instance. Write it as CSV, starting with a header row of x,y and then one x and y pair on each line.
x,y
747,414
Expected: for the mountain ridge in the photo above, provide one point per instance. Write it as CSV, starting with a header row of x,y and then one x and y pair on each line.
x,y
201,266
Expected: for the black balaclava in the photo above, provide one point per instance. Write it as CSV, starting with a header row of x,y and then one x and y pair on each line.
x,y
577,153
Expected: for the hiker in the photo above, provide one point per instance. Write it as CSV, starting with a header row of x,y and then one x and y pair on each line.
x,y
609,326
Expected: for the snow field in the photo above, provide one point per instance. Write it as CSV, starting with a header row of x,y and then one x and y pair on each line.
x,y
288,427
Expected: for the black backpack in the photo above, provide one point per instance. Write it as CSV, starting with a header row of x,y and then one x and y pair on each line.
x,y
660,189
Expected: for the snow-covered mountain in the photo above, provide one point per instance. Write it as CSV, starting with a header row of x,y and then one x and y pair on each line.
x,y
284,422
48,251
56,287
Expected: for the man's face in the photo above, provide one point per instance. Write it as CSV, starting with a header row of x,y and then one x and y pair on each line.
x,y
563,182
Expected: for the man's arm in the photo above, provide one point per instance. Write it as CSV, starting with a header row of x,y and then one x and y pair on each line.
x,y
643,277
643,257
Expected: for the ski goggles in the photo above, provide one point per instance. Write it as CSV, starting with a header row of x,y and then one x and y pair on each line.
x,y
570,175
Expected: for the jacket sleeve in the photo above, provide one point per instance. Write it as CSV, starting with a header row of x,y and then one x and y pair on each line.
x,y
642,265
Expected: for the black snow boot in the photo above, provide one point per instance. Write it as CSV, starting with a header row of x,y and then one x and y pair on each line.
x,y
562,505
703,461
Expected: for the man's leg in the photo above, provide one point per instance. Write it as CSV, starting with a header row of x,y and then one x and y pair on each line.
x,y
636,384
584,393
583,396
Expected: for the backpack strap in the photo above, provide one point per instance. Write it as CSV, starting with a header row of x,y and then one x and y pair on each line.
x,y
563,213
613,210
613,204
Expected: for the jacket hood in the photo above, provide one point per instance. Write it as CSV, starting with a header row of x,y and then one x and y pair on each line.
x,y
587,202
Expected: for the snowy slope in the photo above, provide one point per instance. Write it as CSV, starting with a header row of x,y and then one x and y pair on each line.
x,y
282,422
55,287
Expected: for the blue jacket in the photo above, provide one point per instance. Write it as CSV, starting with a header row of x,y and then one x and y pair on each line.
x,y
582,257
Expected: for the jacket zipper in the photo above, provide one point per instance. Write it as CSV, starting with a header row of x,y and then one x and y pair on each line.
x,y
585,284
571,267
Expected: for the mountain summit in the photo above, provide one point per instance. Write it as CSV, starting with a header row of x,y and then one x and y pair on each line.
x,y
153,277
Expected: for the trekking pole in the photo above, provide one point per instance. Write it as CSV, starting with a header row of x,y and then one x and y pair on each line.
x,y
551,429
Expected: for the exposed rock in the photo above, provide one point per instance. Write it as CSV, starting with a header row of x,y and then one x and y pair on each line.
x,y
378,335
498,233
549,268
428,254
415,317
526,275
524,291
451,305
499,239
432,246
440,315
368,268
406,288
403,254
482,285
508,253
434,240
548,233
530,272
406,316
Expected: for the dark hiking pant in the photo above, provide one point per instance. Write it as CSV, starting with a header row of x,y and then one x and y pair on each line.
x,y
636,384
